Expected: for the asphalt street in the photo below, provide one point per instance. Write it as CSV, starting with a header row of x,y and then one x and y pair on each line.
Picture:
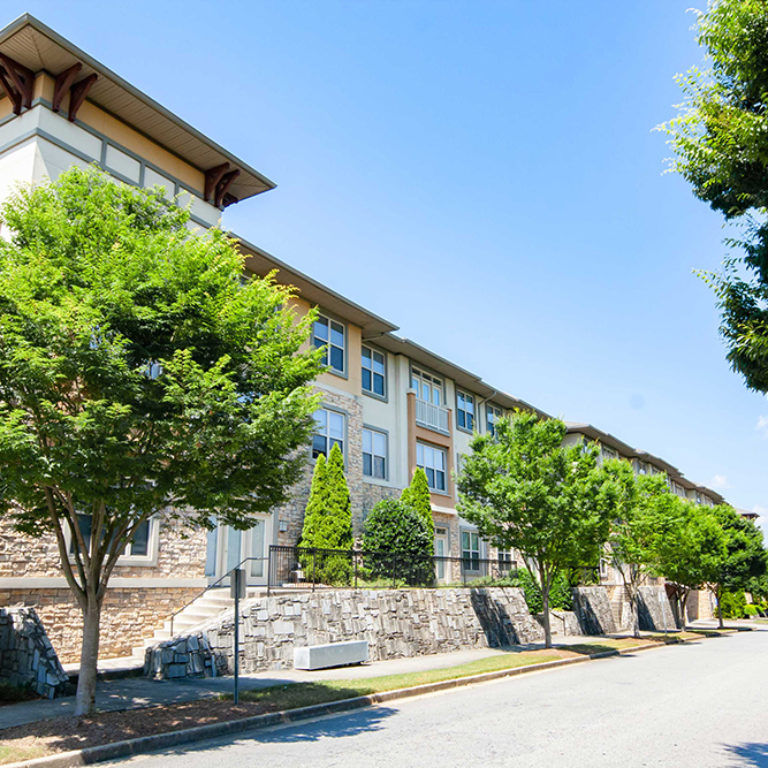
x,y
702,704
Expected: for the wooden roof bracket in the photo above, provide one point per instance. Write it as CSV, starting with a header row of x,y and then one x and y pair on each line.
x,y
18,82
77,94
212,179
63,83
224,184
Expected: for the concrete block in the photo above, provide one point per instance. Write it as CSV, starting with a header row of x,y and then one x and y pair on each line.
x,y
330,655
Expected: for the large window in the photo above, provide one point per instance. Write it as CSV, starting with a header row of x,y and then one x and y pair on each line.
x,y
470,550
433,461
329,429
428,387
138,546
331,336
505,560
374,454
492,415
465,411
374,372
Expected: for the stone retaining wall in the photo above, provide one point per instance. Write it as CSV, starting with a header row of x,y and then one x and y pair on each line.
x,y
27,657
593,609
654,610
396,623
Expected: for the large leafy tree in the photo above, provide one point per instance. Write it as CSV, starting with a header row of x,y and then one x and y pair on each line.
x,y
688,552
741,560
140,376
720,138
525,490
644,511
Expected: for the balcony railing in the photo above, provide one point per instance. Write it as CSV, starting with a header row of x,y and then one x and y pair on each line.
x,y
432,416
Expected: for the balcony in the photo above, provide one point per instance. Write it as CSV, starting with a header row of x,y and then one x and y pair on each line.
x,y
432,416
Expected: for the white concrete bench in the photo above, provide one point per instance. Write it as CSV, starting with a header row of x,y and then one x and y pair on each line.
x,y
330,655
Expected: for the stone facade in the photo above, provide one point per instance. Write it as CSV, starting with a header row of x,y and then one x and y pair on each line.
x,y
27,657
593,609
128,617
396,623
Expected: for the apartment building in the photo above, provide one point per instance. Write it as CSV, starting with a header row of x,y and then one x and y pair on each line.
x,y
389,403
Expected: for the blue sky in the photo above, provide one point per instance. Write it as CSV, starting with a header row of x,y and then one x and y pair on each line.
x,y
486,176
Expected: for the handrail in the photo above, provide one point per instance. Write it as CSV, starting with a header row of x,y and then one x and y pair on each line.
x,y
218,581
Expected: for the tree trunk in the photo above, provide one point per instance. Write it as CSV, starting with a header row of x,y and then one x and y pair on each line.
x,y
681,601
634,611
545,606
719,598
85,702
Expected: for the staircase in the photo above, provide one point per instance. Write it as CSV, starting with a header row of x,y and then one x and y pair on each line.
x,y
209,605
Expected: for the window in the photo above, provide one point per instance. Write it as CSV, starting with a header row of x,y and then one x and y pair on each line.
x,y
428,387
470,550
138,546
465,411
329,429
374,372
492,415
330,335
505,560
608,453
432,460
374,454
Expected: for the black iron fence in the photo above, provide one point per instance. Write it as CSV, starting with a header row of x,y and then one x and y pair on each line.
x,y
312,568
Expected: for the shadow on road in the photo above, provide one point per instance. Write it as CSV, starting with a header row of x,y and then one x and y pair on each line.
x,y
751,754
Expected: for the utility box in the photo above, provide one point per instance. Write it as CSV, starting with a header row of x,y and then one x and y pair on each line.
x,y
330,655
237,583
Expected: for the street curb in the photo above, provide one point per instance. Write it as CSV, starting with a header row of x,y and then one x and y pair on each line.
x,y
142,744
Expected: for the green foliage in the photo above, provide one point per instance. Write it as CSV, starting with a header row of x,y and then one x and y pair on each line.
x,y
744,557
720,139
531,589
561,594
417,496
751,610
524,490
398,544
733,604
328,522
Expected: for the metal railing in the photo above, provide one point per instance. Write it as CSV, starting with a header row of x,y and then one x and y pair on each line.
x,y
432,416
311,568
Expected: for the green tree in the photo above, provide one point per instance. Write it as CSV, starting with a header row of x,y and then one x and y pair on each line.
x,y
720,139
526,491
397,543
644,510
328,522
688,552
417,496
742,559
139,376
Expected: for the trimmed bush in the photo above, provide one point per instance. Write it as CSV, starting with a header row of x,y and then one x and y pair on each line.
x,y
397,544
733,604
751,610
417,496
561,594
531,590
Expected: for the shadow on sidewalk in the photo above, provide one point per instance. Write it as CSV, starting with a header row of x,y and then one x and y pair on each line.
x,y
751,754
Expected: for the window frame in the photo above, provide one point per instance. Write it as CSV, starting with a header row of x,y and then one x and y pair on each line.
x,y
467,396
492,410
330,345
385,434
344,429
371,392
426,377
473,560
431,447
146,561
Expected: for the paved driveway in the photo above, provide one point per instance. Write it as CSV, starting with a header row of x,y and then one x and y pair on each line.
x,y
704,704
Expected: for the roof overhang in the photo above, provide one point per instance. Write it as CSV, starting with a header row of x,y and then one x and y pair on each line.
x,y
38,48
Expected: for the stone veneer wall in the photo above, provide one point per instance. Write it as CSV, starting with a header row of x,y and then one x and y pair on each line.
x,y
593,609
27,657
129,616
654,610
396,623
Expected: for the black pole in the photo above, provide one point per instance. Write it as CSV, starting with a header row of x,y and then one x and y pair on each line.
x,y
236,574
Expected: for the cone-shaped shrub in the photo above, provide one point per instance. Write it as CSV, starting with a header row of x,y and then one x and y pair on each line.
x,y
417,496
316,504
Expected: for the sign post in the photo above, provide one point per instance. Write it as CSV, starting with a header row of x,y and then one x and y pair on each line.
x,y
237,592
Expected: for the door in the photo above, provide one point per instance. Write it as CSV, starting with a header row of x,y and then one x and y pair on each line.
x,y
248,549
441,550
